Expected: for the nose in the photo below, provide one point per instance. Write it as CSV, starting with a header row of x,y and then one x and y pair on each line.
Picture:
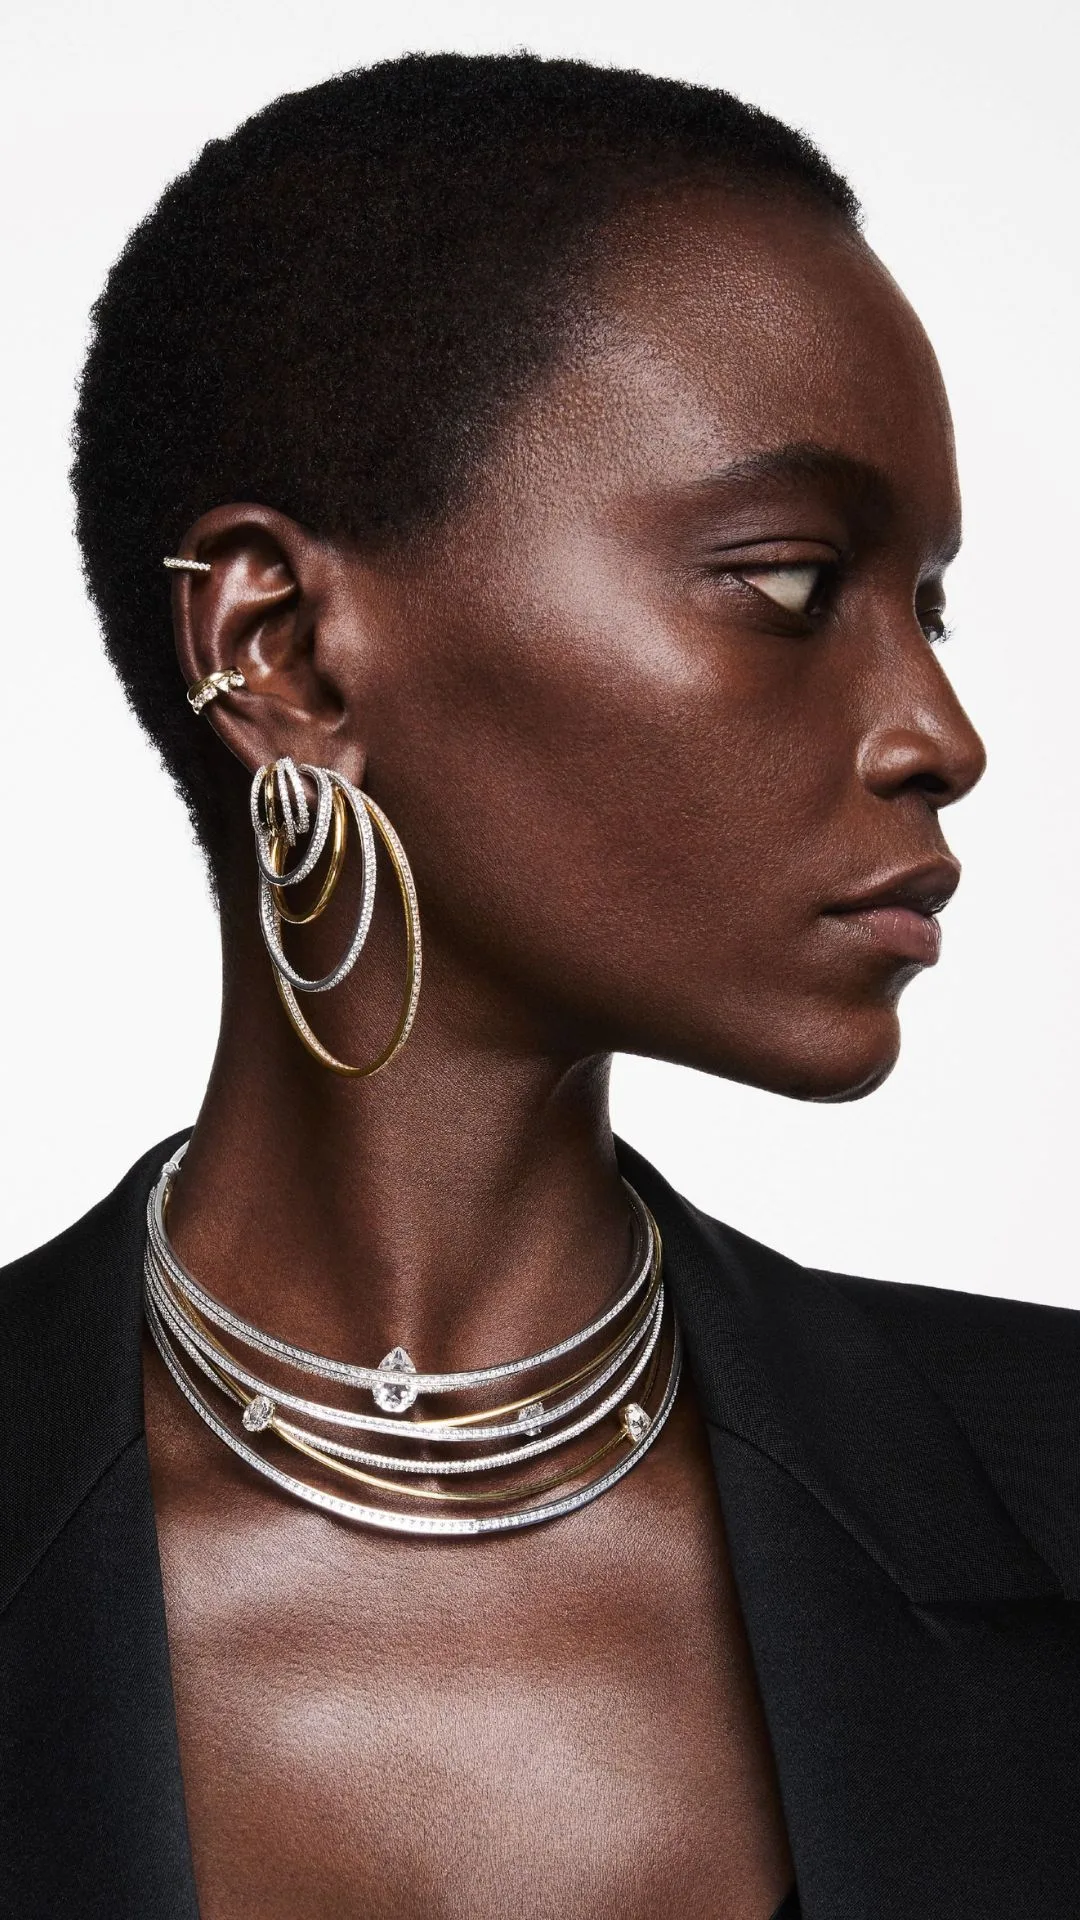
x,y
931,748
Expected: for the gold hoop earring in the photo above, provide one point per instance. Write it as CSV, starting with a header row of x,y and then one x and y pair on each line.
x,y
280,842
280,814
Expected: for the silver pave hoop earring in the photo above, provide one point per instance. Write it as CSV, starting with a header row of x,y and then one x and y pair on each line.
x,y
280,817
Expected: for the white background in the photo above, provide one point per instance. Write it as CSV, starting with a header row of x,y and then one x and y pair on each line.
x,y
956,123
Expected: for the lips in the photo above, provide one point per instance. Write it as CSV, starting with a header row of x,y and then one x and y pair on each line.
x,y
898,915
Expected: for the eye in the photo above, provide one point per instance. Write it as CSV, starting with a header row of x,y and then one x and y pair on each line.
x,y
792,588
933,623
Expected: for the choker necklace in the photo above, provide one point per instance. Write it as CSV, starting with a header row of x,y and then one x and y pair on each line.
x,y
597,1421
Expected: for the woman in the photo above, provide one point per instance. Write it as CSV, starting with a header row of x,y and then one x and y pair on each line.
x,y
543,462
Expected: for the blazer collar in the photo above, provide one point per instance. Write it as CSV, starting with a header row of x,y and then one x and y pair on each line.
x,y
783,1358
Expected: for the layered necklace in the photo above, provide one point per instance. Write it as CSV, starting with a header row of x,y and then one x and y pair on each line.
x,y
457,1474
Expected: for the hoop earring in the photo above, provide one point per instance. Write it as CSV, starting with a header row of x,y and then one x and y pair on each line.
x,y
280,815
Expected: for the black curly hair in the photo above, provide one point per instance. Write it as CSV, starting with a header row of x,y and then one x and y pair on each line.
x,y
333,308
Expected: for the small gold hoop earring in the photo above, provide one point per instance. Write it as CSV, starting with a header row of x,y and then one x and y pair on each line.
x,y
280,814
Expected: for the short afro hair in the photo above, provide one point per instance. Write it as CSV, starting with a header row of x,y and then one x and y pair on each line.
x,y
332,310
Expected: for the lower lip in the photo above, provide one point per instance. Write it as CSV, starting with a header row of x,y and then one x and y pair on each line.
x,y
902,931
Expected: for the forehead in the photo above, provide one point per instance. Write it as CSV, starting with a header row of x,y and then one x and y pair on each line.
x,y
720,327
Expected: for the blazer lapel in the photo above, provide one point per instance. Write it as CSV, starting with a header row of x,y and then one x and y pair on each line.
x,y
92,1820
918,1665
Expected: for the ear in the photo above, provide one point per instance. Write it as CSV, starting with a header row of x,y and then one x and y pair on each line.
x,y
276,605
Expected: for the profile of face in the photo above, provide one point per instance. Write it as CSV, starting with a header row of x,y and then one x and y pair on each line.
x,y
657,709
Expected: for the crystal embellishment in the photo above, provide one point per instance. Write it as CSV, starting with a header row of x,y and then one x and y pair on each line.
x,y
636,1422
395,1396
527,1418
258,1413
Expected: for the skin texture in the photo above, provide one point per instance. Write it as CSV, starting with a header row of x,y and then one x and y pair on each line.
x,y
634,789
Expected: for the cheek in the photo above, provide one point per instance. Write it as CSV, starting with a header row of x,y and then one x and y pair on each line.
x,y
623,791
632,821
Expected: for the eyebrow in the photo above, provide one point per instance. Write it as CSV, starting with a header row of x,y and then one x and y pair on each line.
x,y
862,488
861,484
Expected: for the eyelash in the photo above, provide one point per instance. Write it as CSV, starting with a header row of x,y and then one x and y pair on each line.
x,y
934,626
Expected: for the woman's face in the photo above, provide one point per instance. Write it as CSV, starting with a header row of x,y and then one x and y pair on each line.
x,y
660,715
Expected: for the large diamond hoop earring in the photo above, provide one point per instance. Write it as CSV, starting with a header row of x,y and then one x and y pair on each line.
x,y
280,816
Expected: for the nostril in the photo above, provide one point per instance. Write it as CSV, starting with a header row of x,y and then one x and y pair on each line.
x,y
932,784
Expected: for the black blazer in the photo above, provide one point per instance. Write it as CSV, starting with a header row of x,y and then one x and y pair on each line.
x,y
899,1469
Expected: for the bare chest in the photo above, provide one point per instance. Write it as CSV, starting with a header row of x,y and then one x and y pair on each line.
x,y
562,1723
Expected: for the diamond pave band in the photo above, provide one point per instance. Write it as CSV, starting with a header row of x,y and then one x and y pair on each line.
x,y
372,1377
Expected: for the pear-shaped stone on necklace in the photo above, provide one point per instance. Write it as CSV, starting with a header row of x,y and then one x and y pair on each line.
x,y
635,1422
395,1396
258,1413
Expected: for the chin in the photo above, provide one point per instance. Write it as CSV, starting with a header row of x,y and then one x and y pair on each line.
x,y
864,1050
856,1089
822,1055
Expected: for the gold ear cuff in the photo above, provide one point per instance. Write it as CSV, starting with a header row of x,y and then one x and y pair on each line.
x,y
211,685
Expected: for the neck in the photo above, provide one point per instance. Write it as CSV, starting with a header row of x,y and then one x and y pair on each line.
x,y
464,1204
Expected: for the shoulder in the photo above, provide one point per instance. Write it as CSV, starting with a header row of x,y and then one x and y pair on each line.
x,y
994,1361
1007,1372
925,1403
972,1348
1010,1372
61,1289
961,1339
70,1341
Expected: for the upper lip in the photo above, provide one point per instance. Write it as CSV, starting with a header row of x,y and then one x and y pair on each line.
x,y
924,889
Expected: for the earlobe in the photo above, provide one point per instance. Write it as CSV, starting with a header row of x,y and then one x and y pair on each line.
x,y
250,590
